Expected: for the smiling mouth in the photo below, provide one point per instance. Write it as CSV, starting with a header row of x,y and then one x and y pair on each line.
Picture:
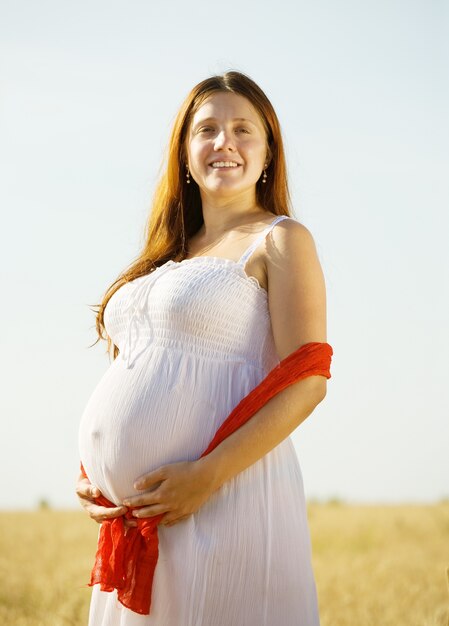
x,y
230,165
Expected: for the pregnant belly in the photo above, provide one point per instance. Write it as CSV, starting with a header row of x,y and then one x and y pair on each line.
x,y
139,419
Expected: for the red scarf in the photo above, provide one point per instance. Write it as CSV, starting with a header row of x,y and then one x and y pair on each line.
x,y
127,562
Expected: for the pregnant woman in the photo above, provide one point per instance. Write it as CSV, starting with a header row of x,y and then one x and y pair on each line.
x,y
227,288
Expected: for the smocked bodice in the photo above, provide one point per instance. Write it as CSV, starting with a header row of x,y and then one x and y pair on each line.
x,y
207,305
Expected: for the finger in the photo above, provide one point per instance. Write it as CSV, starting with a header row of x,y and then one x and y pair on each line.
x,y
94,492
151,511
86,500
130,523
172,522
112,512
147,498
87,490
102,513
143,482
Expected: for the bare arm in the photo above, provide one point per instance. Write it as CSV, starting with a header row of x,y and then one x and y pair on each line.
x,y
297,304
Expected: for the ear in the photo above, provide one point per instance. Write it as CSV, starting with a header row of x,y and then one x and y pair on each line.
x,y
184,157
268,156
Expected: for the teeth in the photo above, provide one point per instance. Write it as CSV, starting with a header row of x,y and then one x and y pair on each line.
x,y
224,164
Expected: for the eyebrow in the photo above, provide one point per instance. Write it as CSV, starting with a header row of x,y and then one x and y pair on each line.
x,y
236,119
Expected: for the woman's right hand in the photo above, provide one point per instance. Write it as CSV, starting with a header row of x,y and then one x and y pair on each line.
x,y
87,493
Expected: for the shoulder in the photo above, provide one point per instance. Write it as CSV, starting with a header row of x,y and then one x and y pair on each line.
x,y
296,289
294,273
288,242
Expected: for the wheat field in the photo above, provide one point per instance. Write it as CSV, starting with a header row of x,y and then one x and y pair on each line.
x,y
374,565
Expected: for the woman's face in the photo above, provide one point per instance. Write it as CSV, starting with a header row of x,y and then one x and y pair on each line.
x,y
226,145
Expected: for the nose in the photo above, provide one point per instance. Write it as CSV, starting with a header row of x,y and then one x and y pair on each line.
x,y
224,140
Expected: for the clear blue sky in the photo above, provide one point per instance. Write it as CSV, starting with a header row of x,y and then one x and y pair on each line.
x,y
88,94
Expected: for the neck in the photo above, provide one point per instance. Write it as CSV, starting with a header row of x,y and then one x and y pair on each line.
x,y
222,214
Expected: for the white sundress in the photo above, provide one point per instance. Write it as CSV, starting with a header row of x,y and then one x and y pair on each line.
x,y
195,338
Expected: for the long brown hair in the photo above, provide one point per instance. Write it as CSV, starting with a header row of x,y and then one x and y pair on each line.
x,y
176,213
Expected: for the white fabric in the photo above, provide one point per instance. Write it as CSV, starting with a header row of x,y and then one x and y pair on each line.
x,y
195,338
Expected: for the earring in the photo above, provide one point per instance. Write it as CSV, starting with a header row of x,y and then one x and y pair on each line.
x,y
264,179
188,175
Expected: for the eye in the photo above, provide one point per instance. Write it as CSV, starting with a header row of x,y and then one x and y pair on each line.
x,y
205,129
241,129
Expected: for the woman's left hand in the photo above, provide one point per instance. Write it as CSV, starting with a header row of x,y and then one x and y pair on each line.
x,y
182,488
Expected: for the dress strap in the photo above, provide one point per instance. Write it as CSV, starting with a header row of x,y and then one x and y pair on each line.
x,y
248,252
